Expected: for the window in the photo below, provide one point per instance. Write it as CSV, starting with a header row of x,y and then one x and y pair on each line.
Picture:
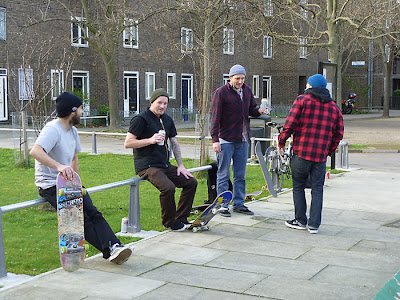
x,y
25,84
304,12
256,86
57,83
131,93
266,92
268,8
329,54
186,40
226,78
228,41
150,82
78,32
131,34
171,85
80,86
303,49
387,52
267,47
3,24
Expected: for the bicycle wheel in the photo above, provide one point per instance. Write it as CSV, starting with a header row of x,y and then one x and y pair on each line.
x,y
274,163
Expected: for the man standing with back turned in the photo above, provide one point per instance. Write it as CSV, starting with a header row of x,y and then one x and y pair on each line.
x,y
230,132
317,127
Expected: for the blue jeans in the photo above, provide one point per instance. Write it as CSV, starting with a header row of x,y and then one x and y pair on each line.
x,y
237,152
301,168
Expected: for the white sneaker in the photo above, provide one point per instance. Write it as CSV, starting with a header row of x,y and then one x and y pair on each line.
x,y
119,254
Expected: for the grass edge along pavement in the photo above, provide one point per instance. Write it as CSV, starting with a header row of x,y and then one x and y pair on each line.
x,y
30,235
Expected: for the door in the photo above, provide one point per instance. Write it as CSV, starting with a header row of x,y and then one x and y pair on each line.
x,y
187,92
131,83
3,95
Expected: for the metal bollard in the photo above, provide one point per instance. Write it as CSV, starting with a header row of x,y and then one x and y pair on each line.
x,y
343,155
94,144
134,207
252,147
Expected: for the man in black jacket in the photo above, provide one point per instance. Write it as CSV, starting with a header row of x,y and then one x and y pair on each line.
x,y
147,135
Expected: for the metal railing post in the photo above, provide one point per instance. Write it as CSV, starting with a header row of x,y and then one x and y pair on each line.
x,y
134,207
344,154
252,146
94,144
3,270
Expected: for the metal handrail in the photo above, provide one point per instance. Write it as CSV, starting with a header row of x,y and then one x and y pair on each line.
x,y
133,214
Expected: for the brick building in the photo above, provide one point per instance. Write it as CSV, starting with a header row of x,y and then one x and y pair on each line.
x,y
41,60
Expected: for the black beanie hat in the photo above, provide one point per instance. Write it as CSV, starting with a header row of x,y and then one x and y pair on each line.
x,y
158,93
67,103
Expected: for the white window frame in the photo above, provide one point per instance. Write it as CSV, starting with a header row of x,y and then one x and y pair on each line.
x,y
3,95
267,46
226,78
85,89
267,79
186,40
303,49
229,41
127,76
131,34
3,23
57,83
268,8
79,40
304,12
256,86
25,84
171,86
150,84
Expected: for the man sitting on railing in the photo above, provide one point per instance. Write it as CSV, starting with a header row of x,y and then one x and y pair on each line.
x,y
56,150
147,135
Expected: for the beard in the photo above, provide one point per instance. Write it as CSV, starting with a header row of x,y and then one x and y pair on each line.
x,y
76,120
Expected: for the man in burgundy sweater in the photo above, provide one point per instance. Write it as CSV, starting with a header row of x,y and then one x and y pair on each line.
x,y
317,127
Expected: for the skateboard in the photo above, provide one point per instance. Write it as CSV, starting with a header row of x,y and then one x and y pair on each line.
x,y
264,169
72,245
252,196
202,220
197,208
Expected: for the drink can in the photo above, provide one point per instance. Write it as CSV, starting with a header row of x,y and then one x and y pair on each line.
x,y
124,225
161,131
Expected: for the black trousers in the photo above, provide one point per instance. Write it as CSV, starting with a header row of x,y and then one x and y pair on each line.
x,y
97,231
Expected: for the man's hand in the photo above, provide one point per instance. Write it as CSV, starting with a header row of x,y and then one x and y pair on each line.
x,y
182,170
67,171
217,147
281,150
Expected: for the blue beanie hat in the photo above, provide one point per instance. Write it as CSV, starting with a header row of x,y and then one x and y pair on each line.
x,y
237,69
317,80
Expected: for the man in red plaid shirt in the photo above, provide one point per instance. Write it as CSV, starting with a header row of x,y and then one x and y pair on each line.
x,y
317,127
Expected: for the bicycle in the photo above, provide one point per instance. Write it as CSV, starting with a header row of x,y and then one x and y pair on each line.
x,y
278,164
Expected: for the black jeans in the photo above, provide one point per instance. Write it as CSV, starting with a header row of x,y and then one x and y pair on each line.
x,y
166,180
97,231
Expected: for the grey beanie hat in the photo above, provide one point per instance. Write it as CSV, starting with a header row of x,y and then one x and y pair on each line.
x,y
158,93
67,103
237,69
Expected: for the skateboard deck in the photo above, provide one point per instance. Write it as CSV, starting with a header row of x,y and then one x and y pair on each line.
x,y
252,196
264,169
70,222
202,220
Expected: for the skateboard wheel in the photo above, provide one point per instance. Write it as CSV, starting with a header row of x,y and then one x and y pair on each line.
x,y
214,211
64,249
84,192
61,192
86,247
253,157
194,229
264,188
196,212
253,198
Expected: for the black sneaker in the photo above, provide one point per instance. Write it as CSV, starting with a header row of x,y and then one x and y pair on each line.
x,y
312,230
119,254
225,212
243,210
295,224
186,223
177,226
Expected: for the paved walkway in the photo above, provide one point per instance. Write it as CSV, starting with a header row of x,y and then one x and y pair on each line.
x,y
246,257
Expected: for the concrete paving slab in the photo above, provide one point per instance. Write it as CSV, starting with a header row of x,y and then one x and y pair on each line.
x,y
267,265
237,231
181,253
303,237
352,259
206,277
284,250
389,249
279,287
191,239
352,277
383,234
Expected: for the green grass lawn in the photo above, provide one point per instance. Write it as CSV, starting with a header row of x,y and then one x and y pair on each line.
x,y
30,235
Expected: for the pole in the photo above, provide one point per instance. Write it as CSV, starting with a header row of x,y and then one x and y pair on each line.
x,y
3,271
